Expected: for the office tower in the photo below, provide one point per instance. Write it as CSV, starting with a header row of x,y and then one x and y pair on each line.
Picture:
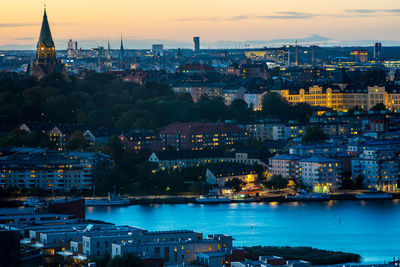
x,y
196,44
378,51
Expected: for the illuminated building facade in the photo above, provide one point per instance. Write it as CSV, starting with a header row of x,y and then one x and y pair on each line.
x,y
321,174
198,136
379,166
219,175
343,100
47,170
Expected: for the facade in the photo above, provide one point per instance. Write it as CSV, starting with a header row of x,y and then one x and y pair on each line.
x,y
174,247
343,100
379,166
321,174
198,90
254,100
53,171
198,136
285,165
189,158
287,131
196,44
46,61
142,140
231,93
219,175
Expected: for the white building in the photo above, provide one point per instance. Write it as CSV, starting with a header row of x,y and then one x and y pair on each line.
x,y
322,174
379,166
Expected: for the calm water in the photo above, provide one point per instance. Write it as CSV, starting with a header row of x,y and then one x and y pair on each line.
x,y
371,229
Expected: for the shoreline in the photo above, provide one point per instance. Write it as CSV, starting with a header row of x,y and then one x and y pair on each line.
x,y
149,200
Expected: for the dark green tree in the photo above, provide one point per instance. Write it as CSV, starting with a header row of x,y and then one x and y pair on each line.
x,y
314,134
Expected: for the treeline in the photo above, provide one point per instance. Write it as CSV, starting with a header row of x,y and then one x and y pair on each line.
x,y
104,100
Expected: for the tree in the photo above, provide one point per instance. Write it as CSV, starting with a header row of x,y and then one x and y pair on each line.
x,y
277,182
378,107
239,110
274,105
235,183
314,134
76,141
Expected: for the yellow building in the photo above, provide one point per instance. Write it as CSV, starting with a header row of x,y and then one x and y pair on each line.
x,y
343,100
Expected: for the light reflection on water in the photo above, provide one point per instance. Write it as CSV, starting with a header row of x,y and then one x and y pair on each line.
x,y
370,228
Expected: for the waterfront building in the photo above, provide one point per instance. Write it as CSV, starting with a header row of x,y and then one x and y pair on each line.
x,y
285,165
379,166
49,170
320,173
46,61
198,136
175,247
220,174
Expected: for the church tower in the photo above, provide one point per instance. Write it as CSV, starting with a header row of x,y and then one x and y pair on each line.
x,y
45,49
46,61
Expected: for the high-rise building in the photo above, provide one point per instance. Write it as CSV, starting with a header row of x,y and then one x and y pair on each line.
x,y
46,61
378,51
70,44
158,50
196,44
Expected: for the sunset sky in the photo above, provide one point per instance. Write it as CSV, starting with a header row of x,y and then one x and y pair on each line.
x,y
175,22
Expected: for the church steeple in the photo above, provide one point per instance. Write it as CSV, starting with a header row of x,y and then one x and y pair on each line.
x,y
45,45
121,52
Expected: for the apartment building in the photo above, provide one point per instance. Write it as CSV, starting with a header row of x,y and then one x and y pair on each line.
x,y
379,166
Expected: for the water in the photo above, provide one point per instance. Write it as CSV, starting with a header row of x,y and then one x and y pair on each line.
x,y
369,228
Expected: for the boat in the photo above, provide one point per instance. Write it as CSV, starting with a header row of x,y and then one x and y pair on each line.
x,y
213,197
111,200
33,202
374,194
108,201
303,195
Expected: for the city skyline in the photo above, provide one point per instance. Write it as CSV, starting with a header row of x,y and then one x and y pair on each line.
x,y
220,25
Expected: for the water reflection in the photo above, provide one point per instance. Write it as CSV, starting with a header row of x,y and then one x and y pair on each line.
x,y
370,228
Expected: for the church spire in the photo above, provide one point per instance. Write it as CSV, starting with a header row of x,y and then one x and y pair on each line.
x,y
122,53
45,45
45,33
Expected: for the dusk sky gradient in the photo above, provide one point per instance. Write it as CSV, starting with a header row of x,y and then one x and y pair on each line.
x,y
175,22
